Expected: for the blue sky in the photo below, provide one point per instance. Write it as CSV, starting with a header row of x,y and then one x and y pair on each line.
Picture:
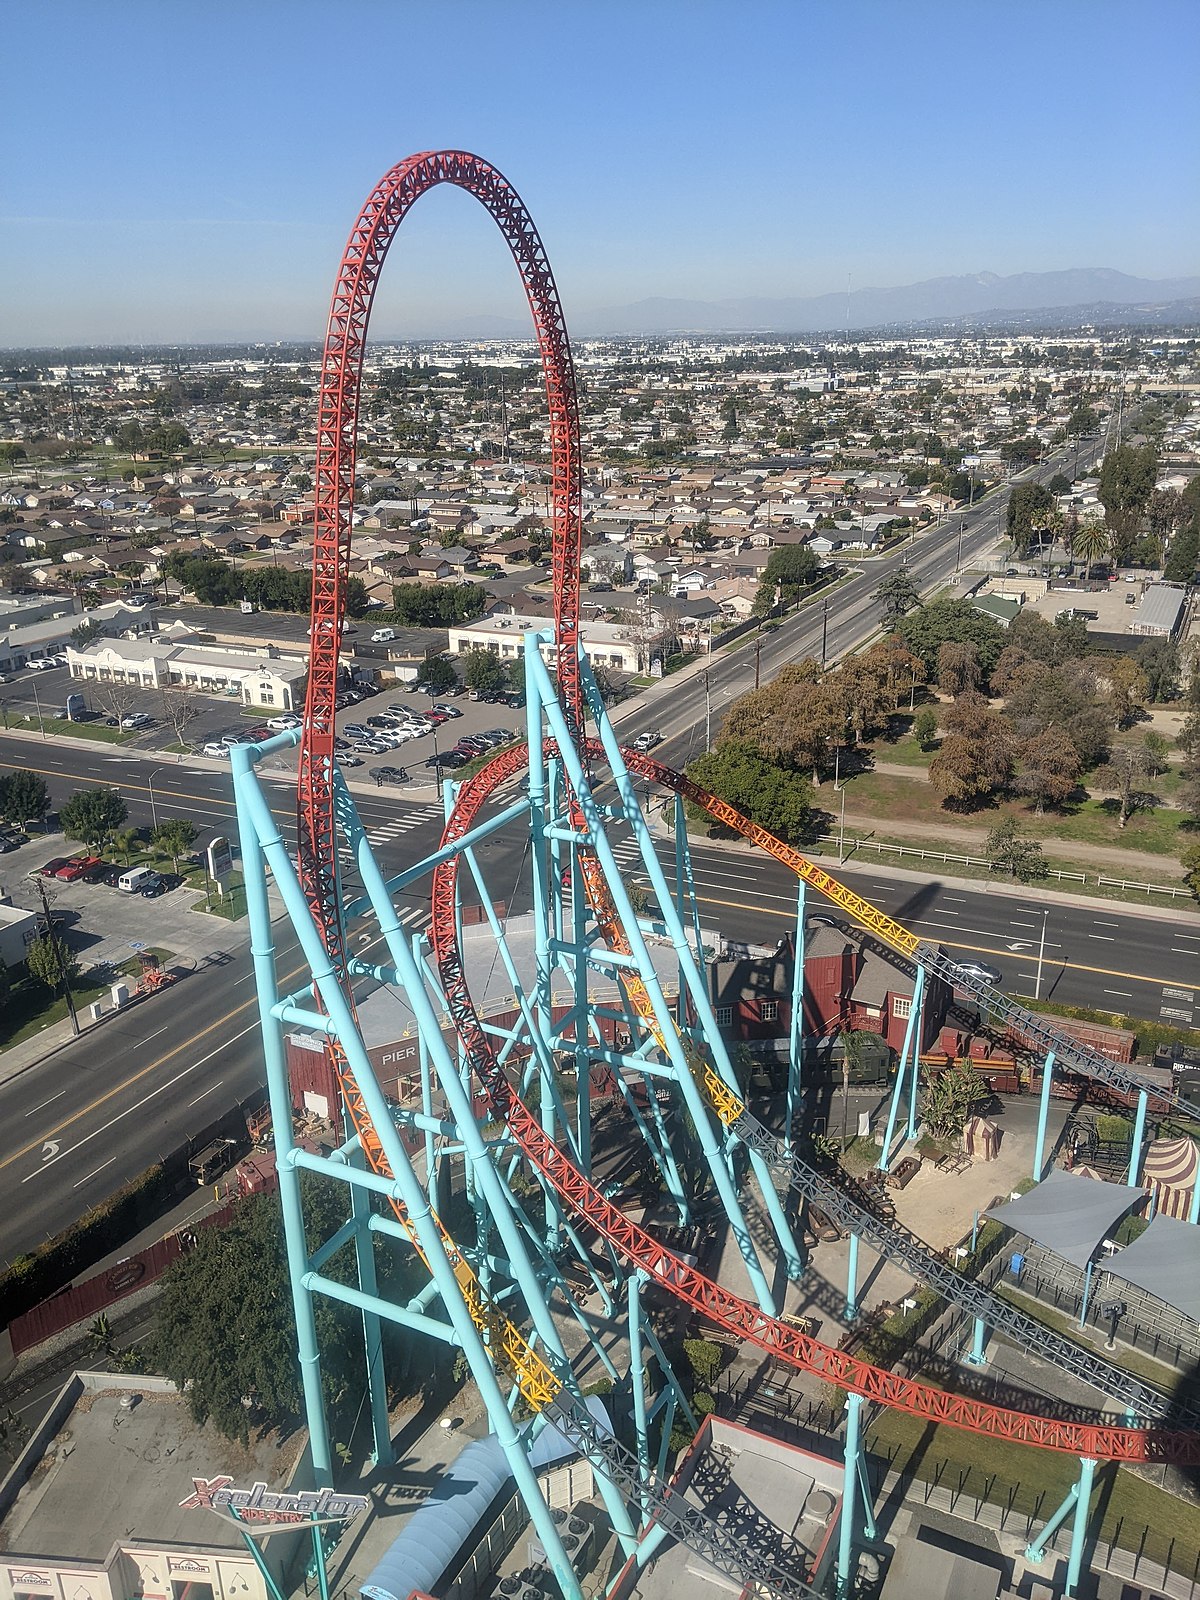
x,y
189,169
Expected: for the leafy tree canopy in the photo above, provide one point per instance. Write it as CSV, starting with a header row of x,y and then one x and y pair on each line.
x,y
24,797
773,796
93,815
929,627
437,605
897,595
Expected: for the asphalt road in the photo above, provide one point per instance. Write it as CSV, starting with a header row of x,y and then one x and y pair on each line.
x,y
92,1115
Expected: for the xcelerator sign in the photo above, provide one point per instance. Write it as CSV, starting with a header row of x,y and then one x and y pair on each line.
x,y
260,1504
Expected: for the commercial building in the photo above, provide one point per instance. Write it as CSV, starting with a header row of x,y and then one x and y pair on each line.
x,y
93,1508
605,644
263,679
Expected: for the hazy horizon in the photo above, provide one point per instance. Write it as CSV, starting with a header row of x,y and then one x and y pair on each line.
x,y
188,174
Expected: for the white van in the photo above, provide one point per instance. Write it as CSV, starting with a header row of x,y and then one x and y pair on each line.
x,y
135,879
383,635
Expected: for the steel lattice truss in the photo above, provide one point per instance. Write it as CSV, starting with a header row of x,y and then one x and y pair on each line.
x,y
341,377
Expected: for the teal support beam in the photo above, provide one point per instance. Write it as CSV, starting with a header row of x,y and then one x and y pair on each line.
x,y
1087,1289
1194,1208
1076,1503
914,1033
260,1560
1087,1469
1139,1133
795,1081
978,1341
908,1055
852,1280
262,955
637,1374
360,1203
318,1540
846,1521
1039,1149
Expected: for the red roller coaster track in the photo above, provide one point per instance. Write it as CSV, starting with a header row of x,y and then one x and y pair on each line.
x,y
337,422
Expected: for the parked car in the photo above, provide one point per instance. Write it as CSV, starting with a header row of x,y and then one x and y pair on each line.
x,y
281,724
383,635
380,721
112,875
436,717
50,870
214,747
389,774
95,873
153,886
136,719
447,711
349,759
76,867
359,728
44,664
8,844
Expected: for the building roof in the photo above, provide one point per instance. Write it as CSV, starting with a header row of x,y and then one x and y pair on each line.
x,y
1159,609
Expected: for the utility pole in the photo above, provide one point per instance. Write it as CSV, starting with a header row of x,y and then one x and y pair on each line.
x,y
707,713
757,652
59,955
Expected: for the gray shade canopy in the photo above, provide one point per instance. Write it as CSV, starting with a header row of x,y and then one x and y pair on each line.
x,y
1069,1214
1165,1261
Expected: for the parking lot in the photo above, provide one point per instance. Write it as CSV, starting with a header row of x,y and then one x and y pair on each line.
x,y
221,718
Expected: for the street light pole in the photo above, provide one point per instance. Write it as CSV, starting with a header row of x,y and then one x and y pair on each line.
x,y
38,704
707,713
842,832
437,766
1037,988
824,627
153,807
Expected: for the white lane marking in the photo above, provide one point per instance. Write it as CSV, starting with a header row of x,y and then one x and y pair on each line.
x,y
150,1036
209,1090
143,1101
1106,922
91,1175
1123,993
46,1103
1109,938
961,899
1180,951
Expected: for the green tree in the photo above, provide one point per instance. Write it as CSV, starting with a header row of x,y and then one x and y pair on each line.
x,y
483,672
775,797
897,595
1190,858
47,960
1125,773
174,838
1127,477
85,633
225,1332
930,626
11,452
1026,505
1010,851
125,842
93,815
925,726
437,675
787,574
1159,661
1059,483
1183,557
949,1101
24,797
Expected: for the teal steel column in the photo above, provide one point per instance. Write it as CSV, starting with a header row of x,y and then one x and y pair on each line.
x,y
1087,1469
1139,1133
364,1251
637,1375
259,1557
846,1520
262,954
1087,1289
852,1280
795,1085
1039,1149
257,814
885,1155
1036,1548
978,1341
1194,1208
915,1032
318,1541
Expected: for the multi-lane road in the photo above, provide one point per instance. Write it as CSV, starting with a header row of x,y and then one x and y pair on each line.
x,y
95,1113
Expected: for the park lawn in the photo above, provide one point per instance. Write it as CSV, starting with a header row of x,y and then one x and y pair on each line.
x,y
999,1469
905,751
31,1007
895,799
73,730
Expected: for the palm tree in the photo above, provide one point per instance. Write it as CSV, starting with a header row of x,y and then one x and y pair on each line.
x,y
1091,539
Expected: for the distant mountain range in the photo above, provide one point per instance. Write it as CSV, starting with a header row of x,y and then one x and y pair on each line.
x,y
1091,294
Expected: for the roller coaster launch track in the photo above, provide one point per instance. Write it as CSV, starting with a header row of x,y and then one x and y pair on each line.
x,y
341,376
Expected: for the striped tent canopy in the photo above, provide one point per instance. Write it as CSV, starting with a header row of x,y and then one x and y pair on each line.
x,y
1169,1172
